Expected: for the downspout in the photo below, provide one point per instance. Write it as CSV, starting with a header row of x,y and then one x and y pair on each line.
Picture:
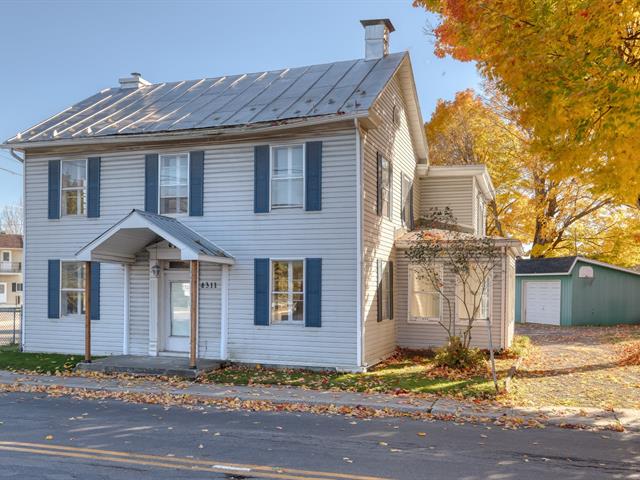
x,y
125,336
23,330
224,313
503,307
359,263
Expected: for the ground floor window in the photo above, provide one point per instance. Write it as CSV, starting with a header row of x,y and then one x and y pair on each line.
x,y
287,291
72,288
475,296
425,302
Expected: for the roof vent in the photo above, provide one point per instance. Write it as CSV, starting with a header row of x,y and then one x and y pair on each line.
x,y
376,37
134,81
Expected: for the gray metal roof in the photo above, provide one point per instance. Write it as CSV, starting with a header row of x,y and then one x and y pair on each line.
x,y
181,232
348,87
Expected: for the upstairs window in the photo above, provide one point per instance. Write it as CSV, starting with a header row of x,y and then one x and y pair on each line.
x,y
287,291
73,182
287,176
72,288
174,184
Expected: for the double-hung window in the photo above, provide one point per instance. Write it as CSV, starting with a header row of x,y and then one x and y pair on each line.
x,y
174,184
425,302
73,183
72,288
287,291
474,297
287,176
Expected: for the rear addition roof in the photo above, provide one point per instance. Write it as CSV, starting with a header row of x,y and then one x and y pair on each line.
x,y
332,89
10,240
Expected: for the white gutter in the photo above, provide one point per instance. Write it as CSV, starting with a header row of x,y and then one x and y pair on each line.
x,y
503,296
359,263
125,337
224,313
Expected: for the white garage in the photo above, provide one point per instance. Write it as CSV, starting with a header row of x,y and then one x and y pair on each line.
x,y
542,301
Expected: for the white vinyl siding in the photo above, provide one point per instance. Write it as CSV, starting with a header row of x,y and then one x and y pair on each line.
x,y
231,224
457,193
394,142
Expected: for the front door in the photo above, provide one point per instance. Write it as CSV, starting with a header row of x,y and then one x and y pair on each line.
x,y
177,309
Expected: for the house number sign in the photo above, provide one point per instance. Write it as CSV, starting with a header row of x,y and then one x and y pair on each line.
x,y
207,285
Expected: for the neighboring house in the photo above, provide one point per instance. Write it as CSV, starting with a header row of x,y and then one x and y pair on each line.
x,y
576,291
250,218
10,270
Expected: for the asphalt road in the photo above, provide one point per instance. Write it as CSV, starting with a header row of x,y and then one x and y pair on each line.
x,y
63,438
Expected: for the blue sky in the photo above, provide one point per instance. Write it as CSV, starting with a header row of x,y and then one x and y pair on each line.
x,y
56,53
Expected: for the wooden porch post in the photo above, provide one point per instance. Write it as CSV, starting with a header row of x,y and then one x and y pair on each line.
x,y
87,312
194,314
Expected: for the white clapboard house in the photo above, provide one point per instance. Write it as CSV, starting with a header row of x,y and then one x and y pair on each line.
x,y
255,218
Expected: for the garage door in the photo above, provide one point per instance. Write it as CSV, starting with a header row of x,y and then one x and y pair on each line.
x,y
542,302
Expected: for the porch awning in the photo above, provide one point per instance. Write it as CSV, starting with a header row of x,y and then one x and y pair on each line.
x,y
139,229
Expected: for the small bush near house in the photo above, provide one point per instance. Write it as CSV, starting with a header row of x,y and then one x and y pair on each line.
x,y
457,356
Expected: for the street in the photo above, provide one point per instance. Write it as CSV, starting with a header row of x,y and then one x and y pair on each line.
x,y
64,438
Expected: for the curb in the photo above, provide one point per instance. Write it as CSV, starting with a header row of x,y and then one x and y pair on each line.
x,y
440,409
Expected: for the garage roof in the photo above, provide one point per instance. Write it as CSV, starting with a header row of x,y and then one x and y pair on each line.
x,y
544,265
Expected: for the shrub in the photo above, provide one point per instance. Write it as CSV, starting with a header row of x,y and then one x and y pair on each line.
x,y
455,355
520,348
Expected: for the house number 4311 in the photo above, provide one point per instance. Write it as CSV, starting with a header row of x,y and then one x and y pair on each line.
x,y
208,285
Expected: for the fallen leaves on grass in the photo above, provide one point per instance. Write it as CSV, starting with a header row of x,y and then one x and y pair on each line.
x,y
629,354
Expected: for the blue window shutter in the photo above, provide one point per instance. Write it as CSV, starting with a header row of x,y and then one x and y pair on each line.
x,y
313,176
95,290
261,179
54,189
261,291
379,184
196,183
53,289
379,273
93,187
151,181
313,292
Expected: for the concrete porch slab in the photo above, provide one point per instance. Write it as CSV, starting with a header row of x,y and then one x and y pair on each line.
x,y
139,365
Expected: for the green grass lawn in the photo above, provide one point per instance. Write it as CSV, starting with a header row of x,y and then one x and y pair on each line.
x,y
11,358
404,373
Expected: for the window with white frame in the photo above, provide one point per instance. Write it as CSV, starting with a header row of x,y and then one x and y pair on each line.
x,y
287,291
425,302
174,183
3,293
476,294
287,176
6,256
73,185
72,288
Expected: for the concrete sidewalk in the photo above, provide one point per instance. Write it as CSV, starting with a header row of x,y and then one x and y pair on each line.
x,y
438,407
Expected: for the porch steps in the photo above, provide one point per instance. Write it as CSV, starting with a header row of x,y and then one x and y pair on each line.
x,y
159,366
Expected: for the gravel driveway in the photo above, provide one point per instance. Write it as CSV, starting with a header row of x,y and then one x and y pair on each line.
x,y
578,366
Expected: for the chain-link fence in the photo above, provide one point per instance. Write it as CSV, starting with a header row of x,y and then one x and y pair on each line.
x,y
10,324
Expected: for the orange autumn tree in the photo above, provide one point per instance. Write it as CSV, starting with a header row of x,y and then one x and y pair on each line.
x,y
553,216
572,70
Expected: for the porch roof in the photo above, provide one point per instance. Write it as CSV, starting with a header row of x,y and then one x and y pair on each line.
x,y
139,229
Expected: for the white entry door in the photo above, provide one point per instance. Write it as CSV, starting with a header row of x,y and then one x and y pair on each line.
x,y
3,293
542,302
177,297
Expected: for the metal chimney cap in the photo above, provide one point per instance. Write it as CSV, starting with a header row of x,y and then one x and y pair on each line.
x,y
379,21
